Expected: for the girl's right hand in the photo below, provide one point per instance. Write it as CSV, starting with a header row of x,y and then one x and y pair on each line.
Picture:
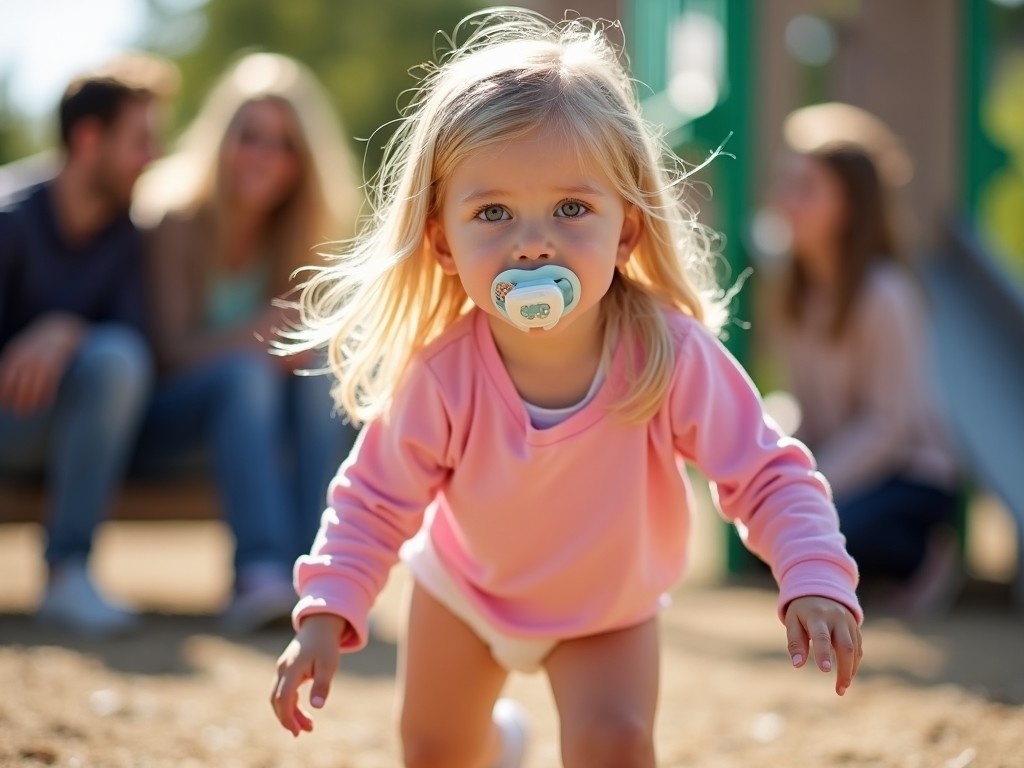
x,y
312,655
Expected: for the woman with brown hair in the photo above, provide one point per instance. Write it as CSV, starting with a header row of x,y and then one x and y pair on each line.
x,y
854,342
260,180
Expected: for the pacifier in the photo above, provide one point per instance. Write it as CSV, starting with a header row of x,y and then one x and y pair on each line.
x,y
536,298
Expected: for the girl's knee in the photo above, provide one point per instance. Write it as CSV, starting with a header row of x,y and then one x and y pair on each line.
x,y
425,744
423,750
608,739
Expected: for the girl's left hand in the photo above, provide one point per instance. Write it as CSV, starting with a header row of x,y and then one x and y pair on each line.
x,y
821,625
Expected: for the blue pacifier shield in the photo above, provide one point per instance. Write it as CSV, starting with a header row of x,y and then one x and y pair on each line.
x,y
536,298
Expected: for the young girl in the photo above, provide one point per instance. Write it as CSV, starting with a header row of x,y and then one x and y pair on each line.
x,y
518,329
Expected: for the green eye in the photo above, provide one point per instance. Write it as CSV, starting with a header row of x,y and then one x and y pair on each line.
x,y
570,209
493,213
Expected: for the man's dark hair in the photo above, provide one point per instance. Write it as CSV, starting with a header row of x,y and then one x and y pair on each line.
x,y
99,98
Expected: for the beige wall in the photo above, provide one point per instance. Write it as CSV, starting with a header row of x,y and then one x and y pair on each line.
x,y
897,59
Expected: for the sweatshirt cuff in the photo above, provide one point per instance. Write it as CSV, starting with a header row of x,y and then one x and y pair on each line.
x,y
819,579
352,604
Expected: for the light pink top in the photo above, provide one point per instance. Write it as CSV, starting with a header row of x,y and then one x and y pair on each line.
x,y
575,529
867,407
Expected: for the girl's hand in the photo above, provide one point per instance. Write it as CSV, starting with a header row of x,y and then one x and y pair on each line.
x,y
824,625
312,655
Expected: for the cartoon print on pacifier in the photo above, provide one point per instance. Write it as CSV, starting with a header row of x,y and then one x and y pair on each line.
x,y
533,311
536,298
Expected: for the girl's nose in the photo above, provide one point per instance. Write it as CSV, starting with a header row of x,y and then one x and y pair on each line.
x,y
534,246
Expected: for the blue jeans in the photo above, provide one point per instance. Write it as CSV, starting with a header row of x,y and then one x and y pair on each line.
x,y
82,443
272,439
887,526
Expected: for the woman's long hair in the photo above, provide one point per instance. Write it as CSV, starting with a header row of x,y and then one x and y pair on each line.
x,y
322,207
866,235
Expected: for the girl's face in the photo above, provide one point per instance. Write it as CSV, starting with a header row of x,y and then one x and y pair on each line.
x,y
261,160
812,200
528,202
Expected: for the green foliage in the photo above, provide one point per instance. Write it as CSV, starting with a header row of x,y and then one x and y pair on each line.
x,y
361,51
16,140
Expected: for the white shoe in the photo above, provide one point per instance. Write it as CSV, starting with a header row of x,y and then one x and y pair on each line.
x,y
263,596
514,726
72,602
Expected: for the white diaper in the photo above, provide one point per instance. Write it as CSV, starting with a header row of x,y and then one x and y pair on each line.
x,y
513,653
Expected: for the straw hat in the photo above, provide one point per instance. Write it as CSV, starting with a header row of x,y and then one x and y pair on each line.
x,y
833,123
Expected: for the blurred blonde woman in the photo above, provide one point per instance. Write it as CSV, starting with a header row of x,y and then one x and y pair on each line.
x,y
262,177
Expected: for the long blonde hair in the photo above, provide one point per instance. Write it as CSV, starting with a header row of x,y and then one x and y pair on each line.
x,y
325,202
385,297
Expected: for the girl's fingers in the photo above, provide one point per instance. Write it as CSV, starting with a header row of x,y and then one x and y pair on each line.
x,y
303,720
860,649
821,644
818,625
323,671
846,648
796,639
284,700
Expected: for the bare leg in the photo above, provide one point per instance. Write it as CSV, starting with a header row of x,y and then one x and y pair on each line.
x,y
450,683
606,690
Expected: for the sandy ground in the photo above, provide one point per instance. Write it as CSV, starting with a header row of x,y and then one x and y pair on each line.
x,y
938,693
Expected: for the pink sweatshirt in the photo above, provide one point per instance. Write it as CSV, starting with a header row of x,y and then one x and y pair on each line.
x,y
576,529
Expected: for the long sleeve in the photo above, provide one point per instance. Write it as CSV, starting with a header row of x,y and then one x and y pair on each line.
x,y
879,434
764,482
376,502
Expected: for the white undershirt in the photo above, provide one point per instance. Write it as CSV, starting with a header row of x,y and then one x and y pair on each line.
x,y
544,418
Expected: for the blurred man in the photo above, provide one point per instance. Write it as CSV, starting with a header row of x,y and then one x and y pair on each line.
x,y
75,371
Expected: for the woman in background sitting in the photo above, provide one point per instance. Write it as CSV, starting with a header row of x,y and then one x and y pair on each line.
x,y
854,343
260,180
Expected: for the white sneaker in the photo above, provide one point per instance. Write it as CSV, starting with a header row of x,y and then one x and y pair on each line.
x,y
514,725
263,596
72,602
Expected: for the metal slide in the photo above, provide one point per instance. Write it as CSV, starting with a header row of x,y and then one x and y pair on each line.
x,y
978,331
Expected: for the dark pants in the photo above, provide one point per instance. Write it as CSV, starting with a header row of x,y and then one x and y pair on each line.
x,y
274,443
887,526
82,442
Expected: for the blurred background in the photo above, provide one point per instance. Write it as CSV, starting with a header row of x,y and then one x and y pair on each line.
x,y
946,76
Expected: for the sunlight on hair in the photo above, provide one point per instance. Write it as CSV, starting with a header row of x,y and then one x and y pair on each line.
x,y
501,75
263,72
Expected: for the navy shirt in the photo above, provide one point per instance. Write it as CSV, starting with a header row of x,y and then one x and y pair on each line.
x,y
40,273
